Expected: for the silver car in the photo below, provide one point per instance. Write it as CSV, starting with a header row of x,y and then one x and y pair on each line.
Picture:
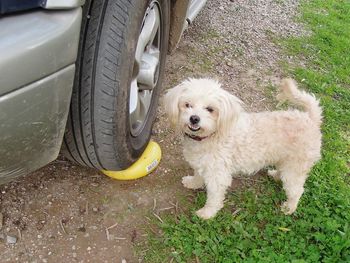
x,y
83,76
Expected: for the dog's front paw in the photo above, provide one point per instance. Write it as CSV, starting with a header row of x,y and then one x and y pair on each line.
x,y
287,208
192,182
206,212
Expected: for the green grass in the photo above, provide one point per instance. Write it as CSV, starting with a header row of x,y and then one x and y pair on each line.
x,y
319,231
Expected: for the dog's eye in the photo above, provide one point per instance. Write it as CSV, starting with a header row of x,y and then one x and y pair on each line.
x,y
210,109
187,105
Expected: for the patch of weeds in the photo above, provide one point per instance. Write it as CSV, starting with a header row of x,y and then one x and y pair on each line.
x,y
272,36
204,62
319,231
279,1
105,199
270,92
239,52
209,35
213,54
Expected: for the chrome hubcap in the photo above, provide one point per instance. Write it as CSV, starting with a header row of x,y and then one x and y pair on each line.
x,y
146,69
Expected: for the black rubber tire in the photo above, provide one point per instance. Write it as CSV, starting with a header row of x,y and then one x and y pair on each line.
x,y
98,130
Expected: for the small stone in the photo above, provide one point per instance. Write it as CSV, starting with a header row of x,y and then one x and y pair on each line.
x,y
74,255
11,239
88,248
221,8
95,209
82,228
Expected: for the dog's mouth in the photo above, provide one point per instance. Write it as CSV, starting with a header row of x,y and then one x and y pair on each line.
x,y
194,128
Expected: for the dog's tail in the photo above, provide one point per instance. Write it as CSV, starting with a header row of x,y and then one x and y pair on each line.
x,y
289,91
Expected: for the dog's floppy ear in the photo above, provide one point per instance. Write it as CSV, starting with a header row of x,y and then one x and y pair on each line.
x,y
171,102
229,111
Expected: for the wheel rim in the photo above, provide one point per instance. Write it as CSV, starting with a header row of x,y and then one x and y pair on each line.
x,y
146,68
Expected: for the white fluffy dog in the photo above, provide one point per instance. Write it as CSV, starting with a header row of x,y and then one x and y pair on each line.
x,y
221,139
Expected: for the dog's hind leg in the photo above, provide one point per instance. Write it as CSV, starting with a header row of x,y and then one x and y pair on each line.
x,y
216,186
293,184
193,182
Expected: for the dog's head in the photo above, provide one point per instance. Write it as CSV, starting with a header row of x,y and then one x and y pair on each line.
x,y
200,107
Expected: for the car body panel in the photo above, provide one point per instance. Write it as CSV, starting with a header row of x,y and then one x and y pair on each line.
x,y
63,4
12,6
38,50
183,12
36,44
32,123
177,22
194,8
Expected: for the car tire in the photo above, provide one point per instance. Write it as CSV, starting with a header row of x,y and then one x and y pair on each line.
x,y
115,95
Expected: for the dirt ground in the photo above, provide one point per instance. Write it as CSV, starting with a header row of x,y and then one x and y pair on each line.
x,y
62,211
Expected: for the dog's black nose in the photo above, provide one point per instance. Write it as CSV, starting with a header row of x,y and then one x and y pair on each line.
x,y
194,119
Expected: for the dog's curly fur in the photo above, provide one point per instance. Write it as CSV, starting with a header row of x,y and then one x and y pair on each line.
x,y
226,140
